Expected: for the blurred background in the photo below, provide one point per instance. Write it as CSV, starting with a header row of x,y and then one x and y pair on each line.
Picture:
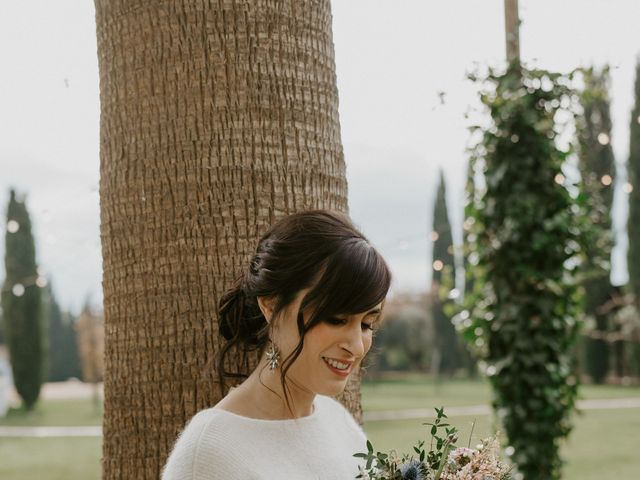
x,y
406,106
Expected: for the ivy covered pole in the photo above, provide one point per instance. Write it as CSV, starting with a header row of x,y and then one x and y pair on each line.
x,y
469,258
526,234
528,229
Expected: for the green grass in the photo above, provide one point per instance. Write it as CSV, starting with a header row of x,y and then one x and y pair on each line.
x,y
70,458
608,391
416,391
394,395
55,413
603,444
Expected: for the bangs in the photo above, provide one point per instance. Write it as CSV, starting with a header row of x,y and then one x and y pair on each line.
x,y
354,279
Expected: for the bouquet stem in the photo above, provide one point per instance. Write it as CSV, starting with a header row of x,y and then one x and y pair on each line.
x,y
443,459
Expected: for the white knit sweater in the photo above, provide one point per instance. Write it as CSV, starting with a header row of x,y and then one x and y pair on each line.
x,y
217,444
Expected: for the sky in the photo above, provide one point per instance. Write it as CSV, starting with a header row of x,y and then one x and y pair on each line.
x,y
401,68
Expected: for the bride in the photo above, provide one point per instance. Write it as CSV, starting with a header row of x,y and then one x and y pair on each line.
x,y
309,303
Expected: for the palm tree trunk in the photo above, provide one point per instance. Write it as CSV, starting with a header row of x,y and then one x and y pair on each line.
x,y
216,119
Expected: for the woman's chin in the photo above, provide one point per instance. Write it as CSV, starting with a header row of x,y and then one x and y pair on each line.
x,y
334,389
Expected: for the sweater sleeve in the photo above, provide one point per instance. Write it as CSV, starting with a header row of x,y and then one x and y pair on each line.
x,y
181,462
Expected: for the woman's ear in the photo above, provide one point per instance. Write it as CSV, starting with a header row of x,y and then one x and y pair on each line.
x,y
266,305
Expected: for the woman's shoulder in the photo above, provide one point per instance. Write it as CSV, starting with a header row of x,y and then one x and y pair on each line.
x,y
336,411
202,444
209,424
332,405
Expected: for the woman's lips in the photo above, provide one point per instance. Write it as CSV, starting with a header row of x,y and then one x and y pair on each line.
x,y
342,373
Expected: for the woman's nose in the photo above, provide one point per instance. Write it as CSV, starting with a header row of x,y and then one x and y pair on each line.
x,y
354,341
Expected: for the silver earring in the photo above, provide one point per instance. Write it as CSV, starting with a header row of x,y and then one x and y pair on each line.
x,y
273,356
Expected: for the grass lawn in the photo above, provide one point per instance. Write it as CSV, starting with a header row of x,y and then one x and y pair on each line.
x,y
418,391
70,458
55,413
603,444
397,395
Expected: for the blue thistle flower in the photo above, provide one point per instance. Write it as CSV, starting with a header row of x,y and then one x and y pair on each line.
x,y
412,470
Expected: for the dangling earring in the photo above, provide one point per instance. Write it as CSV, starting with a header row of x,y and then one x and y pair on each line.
x,y
273,356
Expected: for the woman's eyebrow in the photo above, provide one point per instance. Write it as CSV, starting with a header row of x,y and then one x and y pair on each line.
x,y
375,310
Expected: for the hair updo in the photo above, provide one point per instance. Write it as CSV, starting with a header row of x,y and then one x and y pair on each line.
x,y
318,249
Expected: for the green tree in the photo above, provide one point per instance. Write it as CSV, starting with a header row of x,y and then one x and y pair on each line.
x,y
597,167
447,354
404,343
64,362
22,305
528,232
633,223
2,340
441,234
633,169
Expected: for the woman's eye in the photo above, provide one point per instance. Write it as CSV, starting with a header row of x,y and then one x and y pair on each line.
x,y
341,321
336,321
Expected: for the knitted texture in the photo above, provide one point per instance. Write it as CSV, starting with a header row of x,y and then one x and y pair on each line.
x,y
216,444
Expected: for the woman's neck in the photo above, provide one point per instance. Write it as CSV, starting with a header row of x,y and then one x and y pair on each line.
x,y
261,396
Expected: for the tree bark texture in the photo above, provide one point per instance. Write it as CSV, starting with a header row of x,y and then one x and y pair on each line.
x,y
512,30
217,118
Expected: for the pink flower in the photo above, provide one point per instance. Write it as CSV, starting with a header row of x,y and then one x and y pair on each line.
x,y
462,455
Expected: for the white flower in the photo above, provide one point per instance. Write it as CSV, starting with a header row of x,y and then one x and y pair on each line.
x,y
363,473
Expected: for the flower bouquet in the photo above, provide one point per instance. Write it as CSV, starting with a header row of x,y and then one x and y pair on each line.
x,y
444,461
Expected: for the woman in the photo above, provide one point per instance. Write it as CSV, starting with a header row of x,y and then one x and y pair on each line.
x,y
309,302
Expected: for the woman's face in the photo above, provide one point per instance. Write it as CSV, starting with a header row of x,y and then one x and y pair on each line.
x,y
344,338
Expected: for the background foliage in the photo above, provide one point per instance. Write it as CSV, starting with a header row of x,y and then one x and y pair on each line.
x,y
633,224
597,169
448,353
528,227
22,305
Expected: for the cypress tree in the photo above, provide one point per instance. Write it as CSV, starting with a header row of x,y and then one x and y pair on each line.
x,y
64,362
633,169
633,223
597,170
21,304
446,349
2,340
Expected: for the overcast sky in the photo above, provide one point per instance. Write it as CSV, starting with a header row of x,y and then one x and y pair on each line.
x,y
393,59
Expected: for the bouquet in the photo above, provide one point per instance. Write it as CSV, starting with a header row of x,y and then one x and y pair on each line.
x,y
444,461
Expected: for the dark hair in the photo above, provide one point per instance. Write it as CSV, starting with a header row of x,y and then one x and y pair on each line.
x,y
320,249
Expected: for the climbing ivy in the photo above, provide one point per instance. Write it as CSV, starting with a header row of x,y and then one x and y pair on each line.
x,y
526,230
